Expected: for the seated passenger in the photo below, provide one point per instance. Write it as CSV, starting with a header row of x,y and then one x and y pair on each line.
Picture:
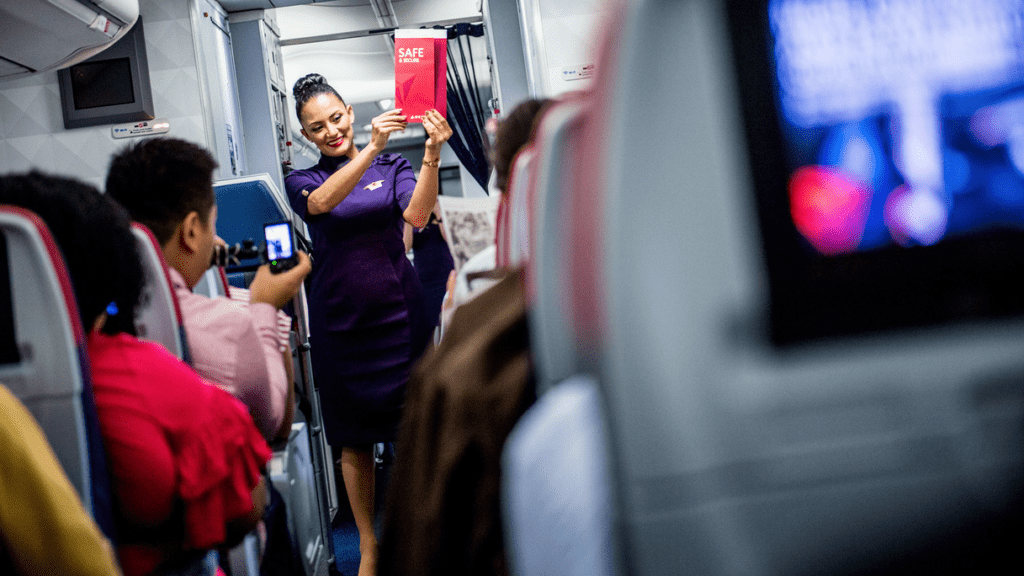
x,y
167,184
514,132
185,458
43,527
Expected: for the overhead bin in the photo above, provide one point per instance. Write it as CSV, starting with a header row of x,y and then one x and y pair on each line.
x,y
41,35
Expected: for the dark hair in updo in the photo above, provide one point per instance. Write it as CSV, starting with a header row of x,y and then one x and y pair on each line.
x,y
307,88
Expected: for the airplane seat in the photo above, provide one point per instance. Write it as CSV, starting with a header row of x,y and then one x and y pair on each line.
x,y
45,362
160,320
213,283
291,471
244,205
513,231
559,498
303,470
551,212
734,453
159,317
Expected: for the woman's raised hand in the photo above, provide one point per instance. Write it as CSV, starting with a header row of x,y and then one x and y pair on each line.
x,y
384,125
438,131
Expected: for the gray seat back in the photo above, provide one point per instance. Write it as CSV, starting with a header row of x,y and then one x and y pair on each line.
x,y
555,343
48,375
159,317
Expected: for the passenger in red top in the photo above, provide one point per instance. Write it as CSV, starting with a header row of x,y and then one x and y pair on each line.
x,y
185,457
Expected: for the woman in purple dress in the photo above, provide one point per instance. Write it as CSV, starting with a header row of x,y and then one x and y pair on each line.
x,y
367,322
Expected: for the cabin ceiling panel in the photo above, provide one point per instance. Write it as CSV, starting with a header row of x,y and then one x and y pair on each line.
x,y
352,16
408,11
361,69
319,20
240,5
413,13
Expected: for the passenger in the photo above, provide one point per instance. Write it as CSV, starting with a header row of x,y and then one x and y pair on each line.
x,y
514,132
43,527
432,260
167,184
367,323
184,456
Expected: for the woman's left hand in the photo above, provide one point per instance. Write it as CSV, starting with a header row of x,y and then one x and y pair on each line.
x,y
438,131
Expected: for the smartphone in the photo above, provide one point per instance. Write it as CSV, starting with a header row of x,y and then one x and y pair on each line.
x,y
281,252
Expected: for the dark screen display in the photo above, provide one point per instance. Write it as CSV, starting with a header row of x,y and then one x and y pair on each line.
x,y
103,83
903,120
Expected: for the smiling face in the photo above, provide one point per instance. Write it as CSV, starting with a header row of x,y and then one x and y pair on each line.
x,y
327,122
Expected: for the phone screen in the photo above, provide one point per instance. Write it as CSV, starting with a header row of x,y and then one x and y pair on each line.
x,y
279,242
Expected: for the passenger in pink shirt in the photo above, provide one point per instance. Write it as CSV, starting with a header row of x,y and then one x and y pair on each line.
x,y
167,184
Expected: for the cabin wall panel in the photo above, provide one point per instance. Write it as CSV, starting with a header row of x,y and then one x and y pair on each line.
x,y
559,34
32,133
508,65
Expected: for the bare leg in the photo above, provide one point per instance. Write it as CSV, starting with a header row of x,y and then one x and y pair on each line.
x,y
357,470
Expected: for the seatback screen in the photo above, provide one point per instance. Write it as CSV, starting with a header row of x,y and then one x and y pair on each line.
x,y
887,147
903,119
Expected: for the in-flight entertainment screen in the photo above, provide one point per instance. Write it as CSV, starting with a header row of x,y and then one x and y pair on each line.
x,y
887,142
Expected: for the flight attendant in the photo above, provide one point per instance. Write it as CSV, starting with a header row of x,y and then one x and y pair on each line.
x,y
367,320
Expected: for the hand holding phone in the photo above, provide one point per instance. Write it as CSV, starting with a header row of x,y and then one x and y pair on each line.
x,y
281,250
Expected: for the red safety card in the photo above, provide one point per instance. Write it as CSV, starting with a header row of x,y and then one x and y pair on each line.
x,y
420,66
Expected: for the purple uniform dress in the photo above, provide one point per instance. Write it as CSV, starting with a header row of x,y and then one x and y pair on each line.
x,y
366,317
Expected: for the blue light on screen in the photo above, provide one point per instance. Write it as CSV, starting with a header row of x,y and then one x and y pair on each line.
x,y
920,102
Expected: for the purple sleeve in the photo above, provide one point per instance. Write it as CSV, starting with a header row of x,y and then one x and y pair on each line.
x,y
405,183
297,186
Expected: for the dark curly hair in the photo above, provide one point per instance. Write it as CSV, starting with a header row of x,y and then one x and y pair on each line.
x,y
308,87
514,131
161,180
94,235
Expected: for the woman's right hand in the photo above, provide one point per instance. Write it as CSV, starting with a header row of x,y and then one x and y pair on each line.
x,y
383,126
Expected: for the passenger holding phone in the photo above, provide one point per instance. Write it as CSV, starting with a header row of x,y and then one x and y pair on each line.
x,y
167,184
367,321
